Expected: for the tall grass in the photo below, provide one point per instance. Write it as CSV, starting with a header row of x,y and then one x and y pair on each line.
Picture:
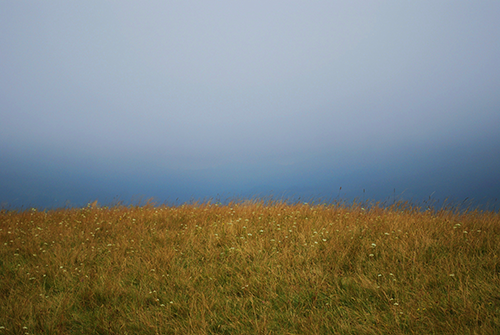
x,y
249,268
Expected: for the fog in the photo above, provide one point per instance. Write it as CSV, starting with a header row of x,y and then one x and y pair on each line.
x,y
180,101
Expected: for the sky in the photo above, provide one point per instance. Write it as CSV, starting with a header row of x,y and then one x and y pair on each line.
x,y
180,101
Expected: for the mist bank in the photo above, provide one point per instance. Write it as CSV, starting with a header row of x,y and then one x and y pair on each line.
x,y
451,175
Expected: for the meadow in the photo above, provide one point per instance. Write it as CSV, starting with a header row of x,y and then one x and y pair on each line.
x,y
249,267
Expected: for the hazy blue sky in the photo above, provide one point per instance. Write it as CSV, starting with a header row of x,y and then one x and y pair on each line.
x,y
189,99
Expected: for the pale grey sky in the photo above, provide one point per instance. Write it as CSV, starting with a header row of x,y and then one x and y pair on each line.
x,y
152,86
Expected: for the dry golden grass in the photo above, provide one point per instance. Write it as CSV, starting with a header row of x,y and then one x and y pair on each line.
x,y
249,268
